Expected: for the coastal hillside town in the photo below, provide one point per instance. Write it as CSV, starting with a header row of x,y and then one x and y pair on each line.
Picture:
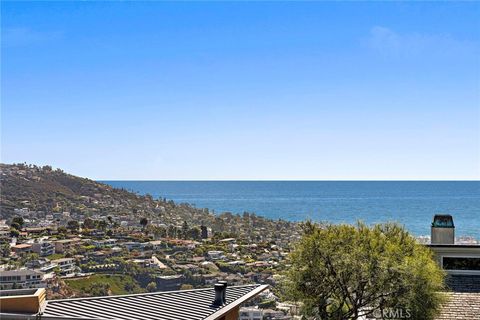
x,y
77,238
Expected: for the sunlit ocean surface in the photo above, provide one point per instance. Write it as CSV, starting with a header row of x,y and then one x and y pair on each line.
x,y
412,203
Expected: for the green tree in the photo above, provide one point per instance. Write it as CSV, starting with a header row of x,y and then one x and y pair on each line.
x,y
343,272
5,250
88,223
129,286
144,222
267,304
19,221
152,287
185,229
73,225
15,225
30,257
195,233
102,225
160,232
14,233
98,289
186,286
57,271
172,231
62,230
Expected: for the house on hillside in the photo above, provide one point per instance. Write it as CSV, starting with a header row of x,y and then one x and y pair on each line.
x,y
62,246
66,265
43,248
22,248
20,279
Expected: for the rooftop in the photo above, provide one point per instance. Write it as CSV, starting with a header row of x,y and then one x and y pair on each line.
x,y
62,260
196,304
460,305
464,300
22,246
463,283
21,272
450,245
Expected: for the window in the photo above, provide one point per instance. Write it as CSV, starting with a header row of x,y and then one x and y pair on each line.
x,y
461,263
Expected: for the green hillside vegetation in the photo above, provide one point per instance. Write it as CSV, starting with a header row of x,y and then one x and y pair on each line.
x,y
44,189
105,284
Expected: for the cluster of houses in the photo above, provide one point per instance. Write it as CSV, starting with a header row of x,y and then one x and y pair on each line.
x,y
41,253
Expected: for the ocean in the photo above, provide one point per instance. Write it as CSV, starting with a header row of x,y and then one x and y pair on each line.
x,y
411,203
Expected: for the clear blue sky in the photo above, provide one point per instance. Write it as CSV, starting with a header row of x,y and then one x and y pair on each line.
x,y
125,90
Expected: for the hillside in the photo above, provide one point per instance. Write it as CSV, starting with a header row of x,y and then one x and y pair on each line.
x,y
46,190
42,188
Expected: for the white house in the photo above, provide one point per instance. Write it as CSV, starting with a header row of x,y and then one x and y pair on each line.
x,y
66,265
215,255
21,279
250,314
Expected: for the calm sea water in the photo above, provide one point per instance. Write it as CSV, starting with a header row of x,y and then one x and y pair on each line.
x,y
411,203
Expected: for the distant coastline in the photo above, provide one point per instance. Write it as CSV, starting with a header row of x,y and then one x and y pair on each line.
x,y
412,203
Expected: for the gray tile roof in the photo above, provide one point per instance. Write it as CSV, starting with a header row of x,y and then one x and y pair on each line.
x,y
460,305
24,272
464,300
194,304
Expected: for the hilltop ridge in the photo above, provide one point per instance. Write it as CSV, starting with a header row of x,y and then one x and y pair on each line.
x,y
44,189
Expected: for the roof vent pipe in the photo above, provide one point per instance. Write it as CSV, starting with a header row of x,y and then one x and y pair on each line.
x,y
224,292
218,294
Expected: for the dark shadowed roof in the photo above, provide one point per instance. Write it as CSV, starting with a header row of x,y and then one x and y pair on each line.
x,y
463,283
172,305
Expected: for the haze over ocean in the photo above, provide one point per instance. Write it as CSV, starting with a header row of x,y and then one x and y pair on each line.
x,y
412,203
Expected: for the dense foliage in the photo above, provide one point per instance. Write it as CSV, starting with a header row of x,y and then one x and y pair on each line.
x,y
344,272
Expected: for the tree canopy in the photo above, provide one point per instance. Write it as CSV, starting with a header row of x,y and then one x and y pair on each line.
x,y
152,287
144,222
345,272
73,225
19,221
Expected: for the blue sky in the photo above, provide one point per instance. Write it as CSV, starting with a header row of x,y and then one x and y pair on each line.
x,y
212,90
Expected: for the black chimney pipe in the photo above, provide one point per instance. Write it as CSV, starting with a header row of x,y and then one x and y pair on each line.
x,y
218,294
224,292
